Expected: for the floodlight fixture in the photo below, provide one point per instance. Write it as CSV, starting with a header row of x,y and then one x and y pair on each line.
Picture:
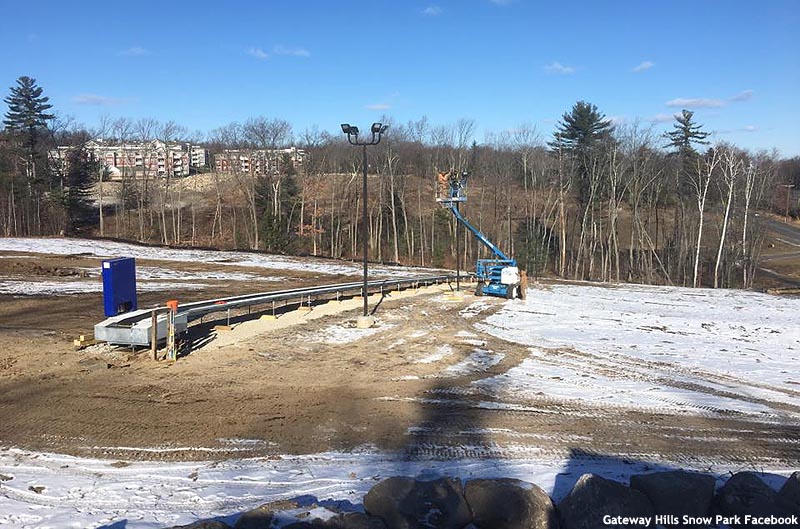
x,y
346,128
376,128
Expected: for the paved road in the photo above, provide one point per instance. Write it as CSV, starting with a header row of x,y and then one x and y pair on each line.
x,y
788,282
786,233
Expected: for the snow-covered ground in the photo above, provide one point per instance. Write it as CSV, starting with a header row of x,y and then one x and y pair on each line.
x,y
102,248
55,491
672,349
149,273
48,287
148,279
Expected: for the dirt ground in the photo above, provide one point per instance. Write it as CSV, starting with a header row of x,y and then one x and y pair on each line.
x,y
316,386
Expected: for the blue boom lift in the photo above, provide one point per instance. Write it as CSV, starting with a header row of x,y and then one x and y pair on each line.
x,y
496,277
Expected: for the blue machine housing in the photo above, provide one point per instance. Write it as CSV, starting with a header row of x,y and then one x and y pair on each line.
x,y
489,271
119,285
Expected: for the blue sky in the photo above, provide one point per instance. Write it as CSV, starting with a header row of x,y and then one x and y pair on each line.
x,y
500,62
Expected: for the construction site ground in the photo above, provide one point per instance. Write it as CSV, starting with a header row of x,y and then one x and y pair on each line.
x,y
266,388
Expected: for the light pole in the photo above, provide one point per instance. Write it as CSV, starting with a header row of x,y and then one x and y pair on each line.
x,y
788,194
377,131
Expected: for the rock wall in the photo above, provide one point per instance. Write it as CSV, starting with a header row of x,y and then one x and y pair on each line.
x,y
662,499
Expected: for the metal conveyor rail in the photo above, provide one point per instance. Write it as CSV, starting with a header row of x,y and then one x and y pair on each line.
x,y
135,328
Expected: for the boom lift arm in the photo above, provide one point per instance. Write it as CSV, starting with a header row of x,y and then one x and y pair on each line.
x,y
496,277
478,235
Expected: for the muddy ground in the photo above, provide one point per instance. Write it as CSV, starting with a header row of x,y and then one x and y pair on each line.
x,y
315,386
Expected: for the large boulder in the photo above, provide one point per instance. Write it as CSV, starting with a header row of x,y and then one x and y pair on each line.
x,y
593,498
789,495
355,520
404,503
677,493
745,493
261,517
207,524
509,504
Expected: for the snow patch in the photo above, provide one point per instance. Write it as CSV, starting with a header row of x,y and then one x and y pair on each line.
x,y
342,334
65,288
474,309
439,353
104,248
478,361
153,272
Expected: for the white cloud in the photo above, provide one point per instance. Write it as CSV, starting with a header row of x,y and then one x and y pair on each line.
x,y
294,52
378,106
617,120
432,11
558,68
96,100
501,2
746,128
744,95
258,53
661,118
697,102
134,51
682,102
644,65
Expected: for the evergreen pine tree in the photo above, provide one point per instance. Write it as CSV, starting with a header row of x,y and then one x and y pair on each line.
x,y
581,129
535,244
582,134
682,139
278,231
27,112
79,179
686,133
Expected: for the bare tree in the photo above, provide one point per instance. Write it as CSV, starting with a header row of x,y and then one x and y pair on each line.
x,y
758,176
145,131
701,180
268,135
100,132
122,132
526,140
731,164
168,133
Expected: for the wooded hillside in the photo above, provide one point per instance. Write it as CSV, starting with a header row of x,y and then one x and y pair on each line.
x,y
590,200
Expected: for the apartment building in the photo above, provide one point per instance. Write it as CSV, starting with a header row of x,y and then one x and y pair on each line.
x,y
143,158
256,161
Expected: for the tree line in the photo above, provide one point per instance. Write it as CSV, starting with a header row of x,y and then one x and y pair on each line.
x,y
592,200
